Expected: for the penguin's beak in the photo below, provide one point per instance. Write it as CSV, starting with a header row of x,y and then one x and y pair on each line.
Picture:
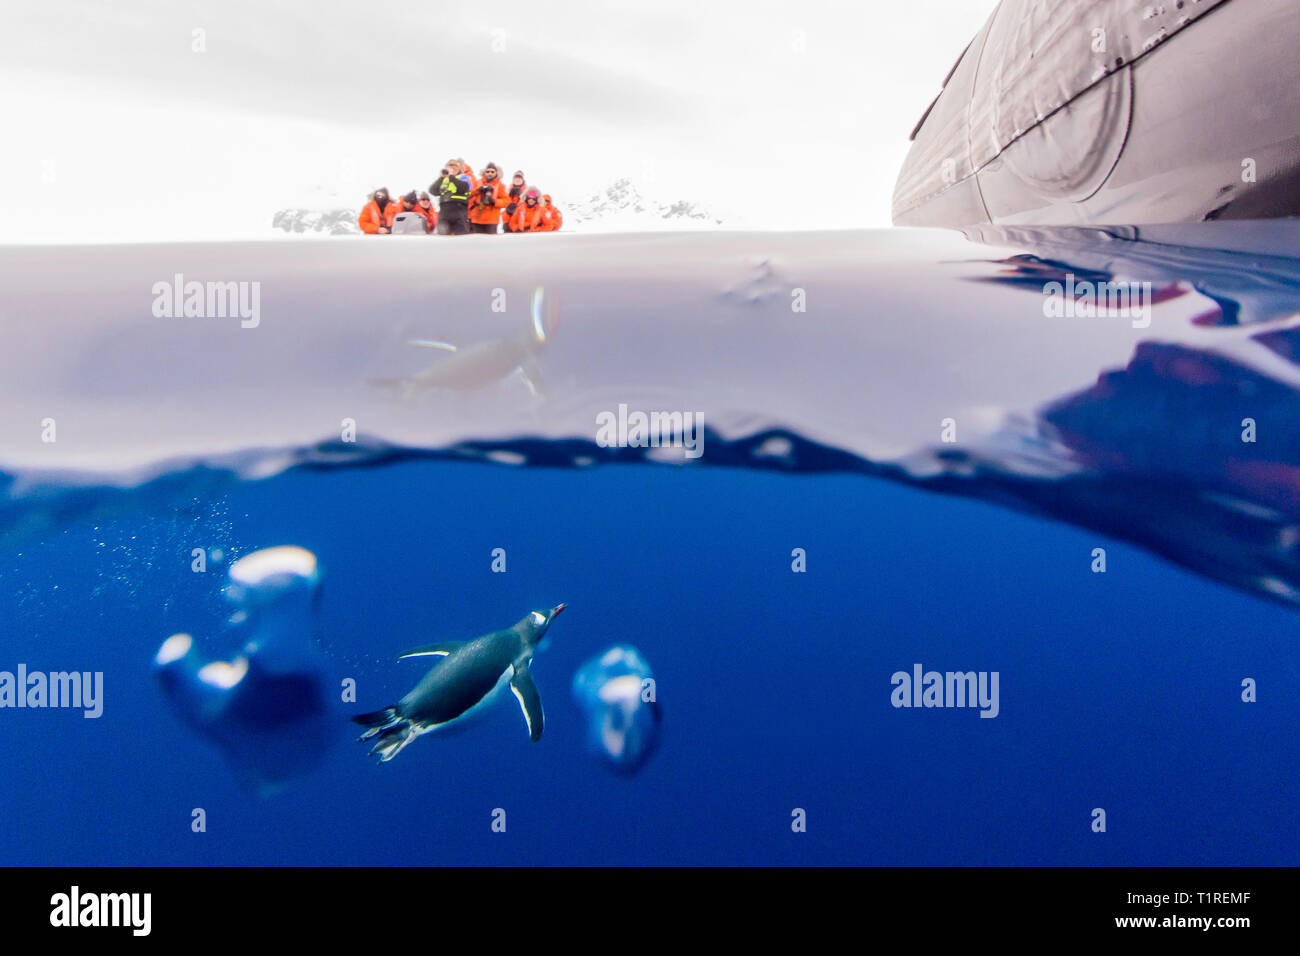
x,y
555,611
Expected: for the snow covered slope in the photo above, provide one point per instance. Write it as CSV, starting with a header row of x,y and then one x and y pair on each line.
x,y
620,207
332,222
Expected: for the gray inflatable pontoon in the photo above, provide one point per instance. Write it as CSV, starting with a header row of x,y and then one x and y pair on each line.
x,y
1086,112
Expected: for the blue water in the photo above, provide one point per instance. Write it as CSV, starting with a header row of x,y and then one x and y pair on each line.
x,y
1118,690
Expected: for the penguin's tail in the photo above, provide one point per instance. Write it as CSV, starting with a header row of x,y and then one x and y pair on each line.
x,y
393,730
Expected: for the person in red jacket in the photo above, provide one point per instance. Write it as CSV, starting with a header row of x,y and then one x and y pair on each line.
x,y
487,200
374,216
531,214
516,194
553,216
425,208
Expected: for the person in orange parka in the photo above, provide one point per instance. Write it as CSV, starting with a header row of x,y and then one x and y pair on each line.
x,y
487,200
374,216
516,194
468,170
552,213
425,208
531,214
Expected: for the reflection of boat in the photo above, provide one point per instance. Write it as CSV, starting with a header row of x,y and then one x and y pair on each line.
x,y
1065,112
1164,449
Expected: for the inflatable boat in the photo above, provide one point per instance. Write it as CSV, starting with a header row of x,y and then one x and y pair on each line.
x,y
1110,112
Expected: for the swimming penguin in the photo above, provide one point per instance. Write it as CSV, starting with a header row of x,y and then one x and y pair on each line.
x,y
468,676
484,363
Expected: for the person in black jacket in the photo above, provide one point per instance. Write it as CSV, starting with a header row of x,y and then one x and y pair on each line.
x,y
453,189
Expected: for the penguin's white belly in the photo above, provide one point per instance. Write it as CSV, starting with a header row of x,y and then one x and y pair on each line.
x,y
475,713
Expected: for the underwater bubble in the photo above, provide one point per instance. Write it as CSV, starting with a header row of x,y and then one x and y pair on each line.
x,y
268,709
272,572
616,692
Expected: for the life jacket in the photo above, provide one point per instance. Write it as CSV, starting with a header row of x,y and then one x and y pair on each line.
x,y
453,188
530,220
372,217
553,215
488,215
514,199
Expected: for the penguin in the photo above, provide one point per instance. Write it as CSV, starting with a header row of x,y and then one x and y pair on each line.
x,y
484,363
467,677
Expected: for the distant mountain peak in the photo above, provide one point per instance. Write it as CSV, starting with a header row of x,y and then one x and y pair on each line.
x,y
621,204
335,222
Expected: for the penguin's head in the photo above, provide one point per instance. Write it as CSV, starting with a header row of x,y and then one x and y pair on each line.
x,y
536,623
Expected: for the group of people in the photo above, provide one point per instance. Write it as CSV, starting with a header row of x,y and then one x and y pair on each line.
x,y
466,203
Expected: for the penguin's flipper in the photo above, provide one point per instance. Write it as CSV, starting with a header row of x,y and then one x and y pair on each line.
x,y
432,650
530,702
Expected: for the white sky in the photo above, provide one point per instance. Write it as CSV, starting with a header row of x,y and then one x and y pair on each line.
x,y
788,114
